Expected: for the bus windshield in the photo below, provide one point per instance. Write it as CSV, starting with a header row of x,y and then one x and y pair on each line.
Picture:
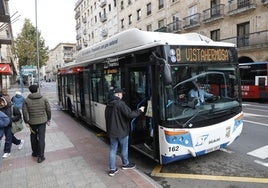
x,y
200,93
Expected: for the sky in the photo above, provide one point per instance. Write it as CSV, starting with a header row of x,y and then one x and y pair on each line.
x,y
55,19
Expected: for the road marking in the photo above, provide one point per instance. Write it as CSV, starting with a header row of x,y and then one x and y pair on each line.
x,y
259,106
261,152
256,115
226,150
261,163
157,172
254,122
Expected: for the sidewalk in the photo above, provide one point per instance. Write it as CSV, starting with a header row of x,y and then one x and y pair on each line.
x,y
75,157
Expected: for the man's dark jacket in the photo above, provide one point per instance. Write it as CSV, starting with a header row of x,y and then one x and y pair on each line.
x,y
36,109
117,117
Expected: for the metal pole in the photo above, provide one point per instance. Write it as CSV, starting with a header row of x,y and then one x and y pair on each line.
x,y
37,46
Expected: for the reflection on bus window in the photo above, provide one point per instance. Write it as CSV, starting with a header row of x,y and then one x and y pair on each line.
x,y
219,91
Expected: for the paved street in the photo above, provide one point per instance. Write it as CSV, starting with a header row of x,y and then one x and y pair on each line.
x,y
75,157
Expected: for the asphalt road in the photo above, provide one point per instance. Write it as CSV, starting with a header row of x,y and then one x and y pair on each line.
x,y
244,164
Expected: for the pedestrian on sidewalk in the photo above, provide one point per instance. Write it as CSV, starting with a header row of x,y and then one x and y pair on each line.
x,y
4,121
17,100
117,117
5,107
36,114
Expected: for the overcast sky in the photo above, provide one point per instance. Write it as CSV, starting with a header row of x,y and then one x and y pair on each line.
x,y
55,19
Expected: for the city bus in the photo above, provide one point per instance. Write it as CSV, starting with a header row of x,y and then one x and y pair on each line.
x,y
158,70
254,80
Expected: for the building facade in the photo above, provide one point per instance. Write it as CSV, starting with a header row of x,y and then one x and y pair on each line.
x,y
95,21
59,56
8,64
243,22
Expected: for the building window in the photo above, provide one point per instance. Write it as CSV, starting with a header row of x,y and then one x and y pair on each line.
x,y
161,4
114,3
243,3
139,14
130,19
215,35
149,9
110,7
161,23
149,27
193,14
122,23
129,2
243,34
96,19
122,5
215,7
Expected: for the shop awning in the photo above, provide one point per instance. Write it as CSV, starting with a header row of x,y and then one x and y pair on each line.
x,y
5,69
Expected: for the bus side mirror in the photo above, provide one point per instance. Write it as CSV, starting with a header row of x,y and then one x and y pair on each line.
x,y
167,74
166,70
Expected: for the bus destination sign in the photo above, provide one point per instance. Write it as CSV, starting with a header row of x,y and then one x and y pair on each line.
x,y
198,54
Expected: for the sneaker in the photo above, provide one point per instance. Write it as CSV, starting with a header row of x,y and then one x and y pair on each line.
x,y
6,155
21,144
113,172
129,166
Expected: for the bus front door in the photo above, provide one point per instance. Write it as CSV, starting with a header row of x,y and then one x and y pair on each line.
x,y
139,94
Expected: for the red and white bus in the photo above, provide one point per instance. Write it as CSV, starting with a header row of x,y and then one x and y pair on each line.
x,y
254,80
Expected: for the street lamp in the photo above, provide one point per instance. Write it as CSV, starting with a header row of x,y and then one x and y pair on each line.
x,y
37,46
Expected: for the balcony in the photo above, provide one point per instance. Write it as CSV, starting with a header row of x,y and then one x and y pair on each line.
x,y
213,14
102,3
78,25
174,27
265,2
161,29
241,6
104,32
103,18
77,15
192,21
250,41
78,36
84,19
5,36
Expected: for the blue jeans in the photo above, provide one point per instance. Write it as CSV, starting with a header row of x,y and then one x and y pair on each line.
x,y
8,139
113,149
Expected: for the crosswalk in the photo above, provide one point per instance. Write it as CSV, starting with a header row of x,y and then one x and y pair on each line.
x,y
260,153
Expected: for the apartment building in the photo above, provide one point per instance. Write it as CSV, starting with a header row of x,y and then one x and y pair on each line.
x,y
243,22
59,56
95,21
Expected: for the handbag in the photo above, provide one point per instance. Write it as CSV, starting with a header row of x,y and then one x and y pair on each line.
x,y
17,126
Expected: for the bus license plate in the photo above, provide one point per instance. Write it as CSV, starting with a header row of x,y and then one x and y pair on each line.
x,y
212,149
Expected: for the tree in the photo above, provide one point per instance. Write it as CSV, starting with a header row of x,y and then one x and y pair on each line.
x,y
25,46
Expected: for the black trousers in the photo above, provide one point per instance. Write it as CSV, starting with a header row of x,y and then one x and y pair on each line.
x,y
38,139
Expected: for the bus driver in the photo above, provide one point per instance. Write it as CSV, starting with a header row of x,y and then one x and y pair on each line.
x,y
198,93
